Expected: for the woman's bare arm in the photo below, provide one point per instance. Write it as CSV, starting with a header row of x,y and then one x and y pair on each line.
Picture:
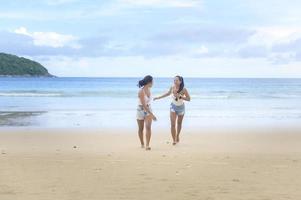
x,y
164,95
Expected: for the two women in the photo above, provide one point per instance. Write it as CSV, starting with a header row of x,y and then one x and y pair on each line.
x,y
177,108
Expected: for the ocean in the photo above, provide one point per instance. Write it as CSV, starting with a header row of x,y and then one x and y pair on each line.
x,y
112,102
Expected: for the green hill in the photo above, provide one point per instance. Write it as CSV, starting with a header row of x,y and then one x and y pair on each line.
x,y
11,65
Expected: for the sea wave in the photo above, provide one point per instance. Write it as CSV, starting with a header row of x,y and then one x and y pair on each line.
x,y
29,94
246,96
132,94
112,94
208,96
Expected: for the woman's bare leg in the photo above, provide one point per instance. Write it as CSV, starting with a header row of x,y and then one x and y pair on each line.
x,y
148,127
179,126
140,131
173,118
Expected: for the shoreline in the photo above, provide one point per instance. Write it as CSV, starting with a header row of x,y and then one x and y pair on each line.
x,y
196,130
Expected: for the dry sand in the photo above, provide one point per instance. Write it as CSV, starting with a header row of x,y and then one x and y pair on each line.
x,y
105,165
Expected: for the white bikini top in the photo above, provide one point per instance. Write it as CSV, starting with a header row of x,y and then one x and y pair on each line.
x,y
147,99
176,101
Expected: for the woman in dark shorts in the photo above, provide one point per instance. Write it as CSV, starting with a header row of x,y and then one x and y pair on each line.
x,y
177,107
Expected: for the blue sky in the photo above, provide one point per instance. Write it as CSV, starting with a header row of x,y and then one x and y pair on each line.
x,y
197,38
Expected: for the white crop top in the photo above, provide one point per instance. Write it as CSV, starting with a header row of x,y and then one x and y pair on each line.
x,y
177,101
147,99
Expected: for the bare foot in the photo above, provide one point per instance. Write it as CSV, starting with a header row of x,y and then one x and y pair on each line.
x,y
148,148
142,146
174,143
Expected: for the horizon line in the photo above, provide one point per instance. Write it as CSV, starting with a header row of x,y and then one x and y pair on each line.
x,y
166,77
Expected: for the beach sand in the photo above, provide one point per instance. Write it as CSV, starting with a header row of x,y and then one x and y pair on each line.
x,y
100,164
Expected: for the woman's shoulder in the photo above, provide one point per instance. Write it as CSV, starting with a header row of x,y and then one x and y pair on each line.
x,y
140,91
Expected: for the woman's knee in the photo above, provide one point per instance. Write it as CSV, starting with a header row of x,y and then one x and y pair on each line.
x,y
148,127
172,123
140,129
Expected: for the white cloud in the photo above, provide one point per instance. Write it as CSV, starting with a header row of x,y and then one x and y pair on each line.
x,y
169,66
274,35
202,50
59,2
51,39
273,43
11,15
164,3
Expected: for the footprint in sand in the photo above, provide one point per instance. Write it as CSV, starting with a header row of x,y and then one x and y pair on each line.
x,y
280,166
98,169
57,151
6,190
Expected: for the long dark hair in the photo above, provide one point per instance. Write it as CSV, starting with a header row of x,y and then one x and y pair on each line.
x,y
146,80
181,84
